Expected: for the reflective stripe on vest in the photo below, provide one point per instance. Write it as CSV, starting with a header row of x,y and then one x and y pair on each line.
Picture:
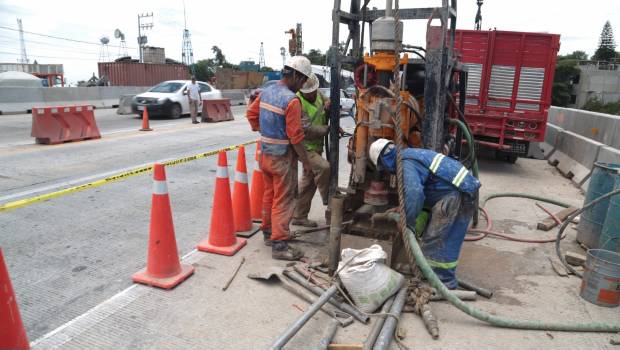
x,y
460,176
442,265
275,141
272,108
435,163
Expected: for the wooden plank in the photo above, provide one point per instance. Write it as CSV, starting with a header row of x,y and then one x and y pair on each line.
x,y
548,223
575,259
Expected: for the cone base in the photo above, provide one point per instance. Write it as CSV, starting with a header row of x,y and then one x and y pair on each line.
x,y
165,283
231,250
249,233
146,129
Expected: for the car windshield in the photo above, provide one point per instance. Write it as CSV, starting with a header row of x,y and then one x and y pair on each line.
x,y
167,86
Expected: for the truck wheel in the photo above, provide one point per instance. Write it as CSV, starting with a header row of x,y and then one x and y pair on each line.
x,y
505,156
511,158
175,111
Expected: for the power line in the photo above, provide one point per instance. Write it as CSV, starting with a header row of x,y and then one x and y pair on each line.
x,y
9,45
57,57
57,46
60,38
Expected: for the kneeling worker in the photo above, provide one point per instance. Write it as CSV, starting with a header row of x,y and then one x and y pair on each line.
x,y
314,119
441,184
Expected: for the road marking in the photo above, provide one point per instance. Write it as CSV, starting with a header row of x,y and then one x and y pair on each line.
x,y
114,177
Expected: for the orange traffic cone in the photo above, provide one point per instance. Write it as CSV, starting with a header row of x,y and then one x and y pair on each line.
x,y
258,188
145,120
163,268
12,333
222,239
241,199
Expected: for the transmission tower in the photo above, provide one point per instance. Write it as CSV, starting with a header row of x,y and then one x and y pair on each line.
x,y
187,55
261,56
478,15
22,43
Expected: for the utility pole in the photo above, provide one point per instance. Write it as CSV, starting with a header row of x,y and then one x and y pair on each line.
x,y
142,40
187,55
22,43
261,56
479,15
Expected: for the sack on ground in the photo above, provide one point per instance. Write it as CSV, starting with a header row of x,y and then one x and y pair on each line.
x,y
366,278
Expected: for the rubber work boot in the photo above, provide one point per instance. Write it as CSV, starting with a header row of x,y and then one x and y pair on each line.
x,y
281,250
304,222
267,238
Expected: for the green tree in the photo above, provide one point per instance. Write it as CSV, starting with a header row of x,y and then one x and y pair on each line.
x,y
606,44
220,59
205,69
576,55
316,57
565,73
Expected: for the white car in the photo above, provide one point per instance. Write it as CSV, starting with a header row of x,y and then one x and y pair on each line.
x,y
168,98
347,104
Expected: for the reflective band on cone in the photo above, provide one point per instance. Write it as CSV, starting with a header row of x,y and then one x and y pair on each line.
x,y
160,187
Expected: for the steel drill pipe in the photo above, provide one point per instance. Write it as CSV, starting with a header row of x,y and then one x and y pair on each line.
x,y
328,335
335,232
479,290
297,277
387,332
378,325
305,317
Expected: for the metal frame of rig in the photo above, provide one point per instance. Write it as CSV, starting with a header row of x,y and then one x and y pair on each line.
x,y
431,90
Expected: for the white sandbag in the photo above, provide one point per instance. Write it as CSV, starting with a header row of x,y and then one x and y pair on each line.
x,y
366,277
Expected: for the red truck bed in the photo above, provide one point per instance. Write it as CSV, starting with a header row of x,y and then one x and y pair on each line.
x,y
510,76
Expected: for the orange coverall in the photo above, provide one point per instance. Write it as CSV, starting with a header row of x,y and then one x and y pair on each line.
x,y
279,173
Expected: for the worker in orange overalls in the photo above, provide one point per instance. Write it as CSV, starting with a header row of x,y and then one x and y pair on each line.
x,y
276,113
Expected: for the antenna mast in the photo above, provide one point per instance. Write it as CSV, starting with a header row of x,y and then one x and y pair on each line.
x,y
261,56
187,53
22,43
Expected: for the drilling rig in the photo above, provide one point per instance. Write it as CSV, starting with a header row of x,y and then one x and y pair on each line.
x,y
410,100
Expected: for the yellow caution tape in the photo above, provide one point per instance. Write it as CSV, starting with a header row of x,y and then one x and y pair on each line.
x,y
117,177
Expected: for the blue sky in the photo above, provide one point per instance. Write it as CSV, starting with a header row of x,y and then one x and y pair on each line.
x,y
239,26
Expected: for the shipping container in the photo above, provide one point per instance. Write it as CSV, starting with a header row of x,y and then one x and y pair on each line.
x,y
141,74
509,82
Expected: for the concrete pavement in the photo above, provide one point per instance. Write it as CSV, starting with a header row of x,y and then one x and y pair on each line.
x,y
71,258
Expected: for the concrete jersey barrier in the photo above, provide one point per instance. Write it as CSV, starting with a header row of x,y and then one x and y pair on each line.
x,y
576,139
22,100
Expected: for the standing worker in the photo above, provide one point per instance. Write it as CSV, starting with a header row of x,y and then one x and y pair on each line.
x,y
276,113
314,111
193,94
441,184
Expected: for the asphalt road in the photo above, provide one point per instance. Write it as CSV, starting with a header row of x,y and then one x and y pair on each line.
x,y
68,254
26,166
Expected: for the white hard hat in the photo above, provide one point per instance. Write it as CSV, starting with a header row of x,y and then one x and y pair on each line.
x,y
376,148
300,64
311,84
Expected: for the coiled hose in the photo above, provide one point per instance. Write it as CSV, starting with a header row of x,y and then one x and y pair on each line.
x,y
411,245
